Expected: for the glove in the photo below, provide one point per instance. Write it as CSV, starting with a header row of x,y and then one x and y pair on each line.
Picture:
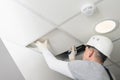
x,y
72,54
41,46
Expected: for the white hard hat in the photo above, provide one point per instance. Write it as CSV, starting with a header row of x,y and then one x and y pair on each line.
x,y
101,43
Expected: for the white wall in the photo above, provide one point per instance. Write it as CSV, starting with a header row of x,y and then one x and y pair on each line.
x,y
31,63
8,68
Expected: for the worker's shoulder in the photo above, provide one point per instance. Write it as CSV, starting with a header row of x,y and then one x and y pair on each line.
x,y
87,70
84,62
85,65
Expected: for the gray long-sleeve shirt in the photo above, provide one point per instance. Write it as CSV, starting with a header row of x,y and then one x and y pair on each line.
x,y
86,70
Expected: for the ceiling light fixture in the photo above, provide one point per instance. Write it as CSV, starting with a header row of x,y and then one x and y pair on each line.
x,y
105,26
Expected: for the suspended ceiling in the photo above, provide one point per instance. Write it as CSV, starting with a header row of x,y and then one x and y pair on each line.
x,y
60,21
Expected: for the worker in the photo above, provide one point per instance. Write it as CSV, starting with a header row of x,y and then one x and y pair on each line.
x,y
97,50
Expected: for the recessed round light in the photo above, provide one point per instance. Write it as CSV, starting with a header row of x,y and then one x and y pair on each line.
x,y
105,26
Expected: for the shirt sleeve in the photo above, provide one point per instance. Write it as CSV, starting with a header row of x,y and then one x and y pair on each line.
x,y
56,65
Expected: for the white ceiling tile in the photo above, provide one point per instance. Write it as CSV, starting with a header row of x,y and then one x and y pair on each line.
x,y
20,25
109,9
59,41
55,10
82,27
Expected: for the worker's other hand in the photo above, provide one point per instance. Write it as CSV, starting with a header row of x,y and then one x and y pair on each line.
x,y
72,54
42,46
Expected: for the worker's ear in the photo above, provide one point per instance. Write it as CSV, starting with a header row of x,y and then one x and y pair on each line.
x,y
91,52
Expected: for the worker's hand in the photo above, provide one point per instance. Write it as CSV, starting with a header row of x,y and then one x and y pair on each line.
x,y
72,54
42,46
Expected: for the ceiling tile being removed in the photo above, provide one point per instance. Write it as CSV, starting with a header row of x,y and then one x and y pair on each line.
x,y
59,41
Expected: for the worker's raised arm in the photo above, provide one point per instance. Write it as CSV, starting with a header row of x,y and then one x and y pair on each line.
x,y
53,63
